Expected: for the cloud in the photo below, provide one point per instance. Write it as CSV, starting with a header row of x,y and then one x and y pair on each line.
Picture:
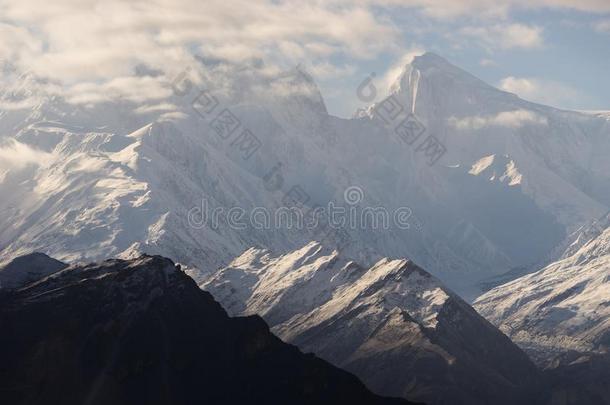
x,y
507,119
544,91
505,36
326,70
521,86
89,49
395,70
16,155
113,36
131,88
161,107
17,42
92,48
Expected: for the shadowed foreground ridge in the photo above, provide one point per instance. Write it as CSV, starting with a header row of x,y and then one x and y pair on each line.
x,y
141,331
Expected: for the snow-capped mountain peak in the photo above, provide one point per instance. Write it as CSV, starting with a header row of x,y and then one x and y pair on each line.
x,y
435,66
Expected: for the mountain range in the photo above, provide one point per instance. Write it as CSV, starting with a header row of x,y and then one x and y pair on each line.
x,y
506,205
393,325
491,182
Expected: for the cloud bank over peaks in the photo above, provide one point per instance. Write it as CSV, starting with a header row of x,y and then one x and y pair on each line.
x,y
507,119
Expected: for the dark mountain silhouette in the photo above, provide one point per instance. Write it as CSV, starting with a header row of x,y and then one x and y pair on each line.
x,y
142,332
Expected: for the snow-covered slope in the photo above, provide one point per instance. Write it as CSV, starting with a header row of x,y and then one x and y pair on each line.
x,y
393,324
583,235
120,177
565,306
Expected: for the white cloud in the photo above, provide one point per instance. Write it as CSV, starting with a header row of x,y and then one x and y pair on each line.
x,y
505,36
161,107
130,88
16,155
92,47
523,87
507,119
326,70
17,41
93,39
396,69
544,91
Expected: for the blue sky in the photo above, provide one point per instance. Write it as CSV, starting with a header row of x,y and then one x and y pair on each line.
x,y
552,51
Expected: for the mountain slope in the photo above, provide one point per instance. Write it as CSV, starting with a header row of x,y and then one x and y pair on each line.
x,y
565,306
140,331
28,268
394,325
577,378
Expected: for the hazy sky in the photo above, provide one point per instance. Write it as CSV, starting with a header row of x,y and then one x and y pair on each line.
x,y
553,51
